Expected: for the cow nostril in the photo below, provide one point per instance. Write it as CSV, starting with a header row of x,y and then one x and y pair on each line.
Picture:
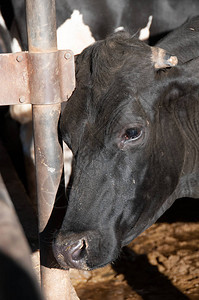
x,y
78,250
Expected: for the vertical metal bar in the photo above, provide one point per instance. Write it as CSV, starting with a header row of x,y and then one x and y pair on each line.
x,y
41,27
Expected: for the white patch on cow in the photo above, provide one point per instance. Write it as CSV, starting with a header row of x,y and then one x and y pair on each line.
x,y
15,46
5,39
145,32
2,22
21,113
73,34
13,43
121,28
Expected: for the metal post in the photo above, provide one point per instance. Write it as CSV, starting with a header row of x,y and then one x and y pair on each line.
x,y
44,82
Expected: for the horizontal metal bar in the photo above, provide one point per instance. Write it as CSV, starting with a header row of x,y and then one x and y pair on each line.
x,y
20,71
14,79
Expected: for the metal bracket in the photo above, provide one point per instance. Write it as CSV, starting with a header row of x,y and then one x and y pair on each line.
x,y
23,74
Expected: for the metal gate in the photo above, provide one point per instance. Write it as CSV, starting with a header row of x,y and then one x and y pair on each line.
x,y
44,77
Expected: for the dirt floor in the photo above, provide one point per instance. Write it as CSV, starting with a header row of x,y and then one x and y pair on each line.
x,y
162,263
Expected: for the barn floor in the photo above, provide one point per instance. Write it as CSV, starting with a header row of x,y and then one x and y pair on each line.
x,y
161,264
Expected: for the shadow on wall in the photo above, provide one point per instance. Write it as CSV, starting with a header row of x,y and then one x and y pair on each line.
x,y
144,278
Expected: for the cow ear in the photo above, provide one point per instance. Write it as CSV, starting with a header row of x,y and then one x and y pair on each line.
x,y
161,59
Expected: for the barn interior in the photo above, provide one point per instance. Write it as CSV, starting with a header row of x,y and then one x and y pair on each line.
x,y
162,263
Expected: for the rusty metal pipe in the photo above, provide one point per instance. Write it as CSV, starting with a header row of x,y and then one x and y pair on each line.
x,y
41,25
41,28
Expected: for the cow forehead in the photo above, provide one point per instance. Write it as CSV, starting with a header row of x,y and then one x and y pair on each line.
x,y
119,109
111,75
120,105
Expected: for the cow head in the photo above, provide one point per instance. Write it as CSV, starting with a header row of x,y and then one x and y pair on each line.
x,y
123,126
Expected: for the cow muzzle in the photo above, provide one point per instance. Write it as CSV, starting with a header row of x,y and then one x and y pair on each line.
x,y
86,250
71,250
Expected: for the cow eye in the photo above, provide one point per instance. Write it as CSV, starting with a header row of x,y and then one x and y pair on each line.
x,y
132,134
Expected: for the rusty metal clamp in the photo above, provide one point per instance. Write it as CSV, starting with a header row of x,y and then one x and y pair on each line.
x,y
23,74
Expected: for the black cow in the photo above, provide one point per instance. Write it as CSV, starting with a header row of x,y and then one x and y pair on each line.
x,y
132,125
104,16
80,23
